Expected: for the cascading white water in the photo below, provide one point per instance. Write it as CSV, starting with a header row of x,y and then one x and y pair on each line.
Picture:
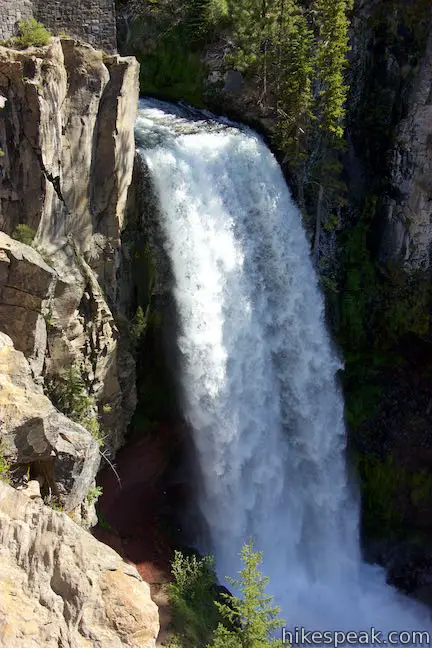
x,y
258,374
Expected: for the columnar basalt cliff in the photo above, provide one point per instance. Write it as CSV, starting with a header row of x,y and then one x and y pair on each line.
x,y
407,236
68,149
67,376
390,126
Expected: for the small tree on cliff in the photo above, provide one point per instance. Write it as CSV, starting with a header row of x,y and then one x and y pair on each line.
x,y
251,618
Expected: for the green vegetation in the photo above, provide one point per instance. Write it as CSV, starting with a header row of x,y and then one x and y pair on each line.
x,y
93,495
192,595
31,34
5,466
55,503
69,394
250,619
297,53
24,234
331,30
202,617
138,325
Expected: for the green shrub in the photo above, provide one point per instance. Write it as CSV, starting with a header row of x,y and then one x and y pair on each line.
x,y
192,594
5,466
32,33
24,234
138,325
93,495
69,394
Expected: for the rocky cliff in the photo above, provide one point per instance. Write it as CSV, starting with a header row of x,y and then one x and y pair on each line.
x,y
67,374
390,125
68,148
407,231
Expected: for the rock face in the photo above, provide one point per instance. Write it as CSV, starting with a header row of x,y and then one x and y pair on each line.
x,y
61,587
67,136
67,153
68,108
389,120
26,287
34,434
408,229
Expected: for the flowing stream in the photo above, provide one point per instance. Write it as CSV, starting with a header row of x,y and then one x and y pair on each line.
x,y
258,374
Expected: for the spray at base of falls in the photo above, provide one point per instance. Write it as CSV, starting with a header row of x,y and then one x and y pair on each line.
x,y
258,374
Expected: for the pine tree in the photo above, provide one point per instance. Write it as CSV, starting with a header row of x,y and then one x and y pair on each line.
x,y
293,69
202,16
331,24
251,618
254,28
225,638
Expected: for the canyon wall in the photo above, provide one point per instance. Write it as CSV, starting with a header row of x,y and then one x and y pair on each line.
x,y
67,373
68,150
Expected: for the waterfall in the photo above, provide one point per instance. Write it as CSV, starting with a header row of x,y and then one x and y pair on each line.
x,y
258,374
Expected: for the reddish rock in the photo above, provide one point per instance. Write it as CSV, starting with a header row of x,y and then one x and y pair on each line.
x,y
130,511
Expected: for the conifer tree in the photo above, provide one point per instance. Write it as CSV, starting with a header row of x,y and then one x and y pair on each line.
x,y
330,18
254,28
251,618
202,16
293,69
